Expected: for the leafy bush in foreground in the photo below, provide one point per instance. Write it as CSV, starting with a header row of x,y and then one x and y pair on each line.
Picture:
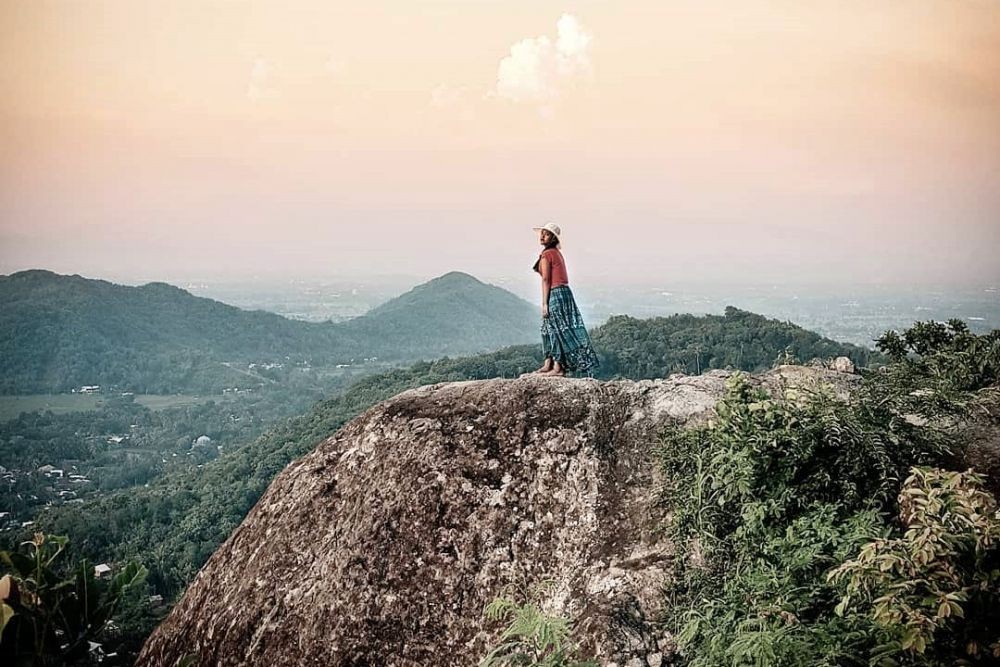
x,y
777,493
939,584
48,615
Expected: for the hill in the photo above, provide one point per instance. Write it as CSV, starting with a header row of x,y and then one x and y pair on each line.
x,y
58,332
738,339
450,315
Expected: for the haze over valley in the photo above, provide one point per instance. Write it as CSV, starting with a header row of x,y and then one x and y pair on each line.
x,y
849,313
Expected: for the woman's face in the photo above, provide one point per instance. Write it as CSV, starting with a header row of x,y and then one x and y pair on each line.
x,y
544,236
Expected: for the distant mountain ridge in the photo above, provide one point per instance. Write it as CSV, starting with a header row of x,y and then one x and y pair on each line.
x,y
457,311
58,332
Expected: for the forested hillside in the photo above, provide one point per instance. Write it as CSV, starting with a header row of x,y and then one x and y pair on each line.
x,y
60,332
689,344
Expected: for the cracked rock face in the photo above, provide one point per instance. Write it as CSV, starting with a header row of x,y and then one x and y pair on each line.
x,y
383,545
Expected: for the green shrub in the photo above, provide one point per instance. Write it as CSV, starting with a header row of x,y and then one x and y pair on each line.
x,y
935,589
945,353
768,497
48,616
778,491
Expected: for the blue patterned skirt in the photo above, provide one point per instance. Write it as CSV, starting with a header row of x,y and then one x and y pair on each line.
x,y
564,337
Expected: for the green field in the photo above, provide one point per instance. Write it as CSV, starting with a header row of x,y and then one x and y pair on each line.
x,y
12,406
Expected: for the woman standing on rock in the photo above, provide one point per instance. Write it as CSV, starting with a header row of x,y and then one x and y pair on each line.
x,y
565,342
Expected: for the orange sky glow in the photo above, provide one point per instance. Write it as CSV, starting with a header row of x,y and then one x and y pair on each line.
x,y
792,141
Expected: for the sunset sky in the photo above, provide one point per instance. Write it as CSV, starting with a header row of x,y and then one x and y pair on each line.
x,y
816,141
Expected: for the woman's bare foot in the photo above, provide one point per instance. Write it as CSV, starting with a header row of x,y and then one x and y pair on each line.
x,y
555,371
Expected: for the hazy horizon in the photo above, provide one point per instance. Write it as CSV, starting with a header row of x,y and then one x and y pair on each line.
x,y
406,280
855,314
825,144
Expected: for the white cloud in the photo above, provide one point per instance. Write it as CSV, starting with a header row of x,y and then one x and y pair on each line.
x,y
572,46
538,68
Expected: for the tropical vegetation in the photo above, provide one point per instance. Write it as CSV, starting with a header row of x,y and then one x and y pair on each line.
x,y
820,531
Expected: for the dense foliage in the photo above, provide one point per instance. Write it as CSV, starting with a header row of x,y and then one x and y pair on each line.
x,y
779,491
943,357
49,612
738,339
921,587
60,332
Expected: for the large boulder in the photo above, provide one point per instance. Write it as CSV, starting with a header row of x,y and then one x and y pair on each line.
x,y
383,545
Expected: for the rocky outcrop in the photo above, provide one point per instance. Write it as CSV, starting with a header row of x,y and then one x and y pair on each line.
x,y
383,545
